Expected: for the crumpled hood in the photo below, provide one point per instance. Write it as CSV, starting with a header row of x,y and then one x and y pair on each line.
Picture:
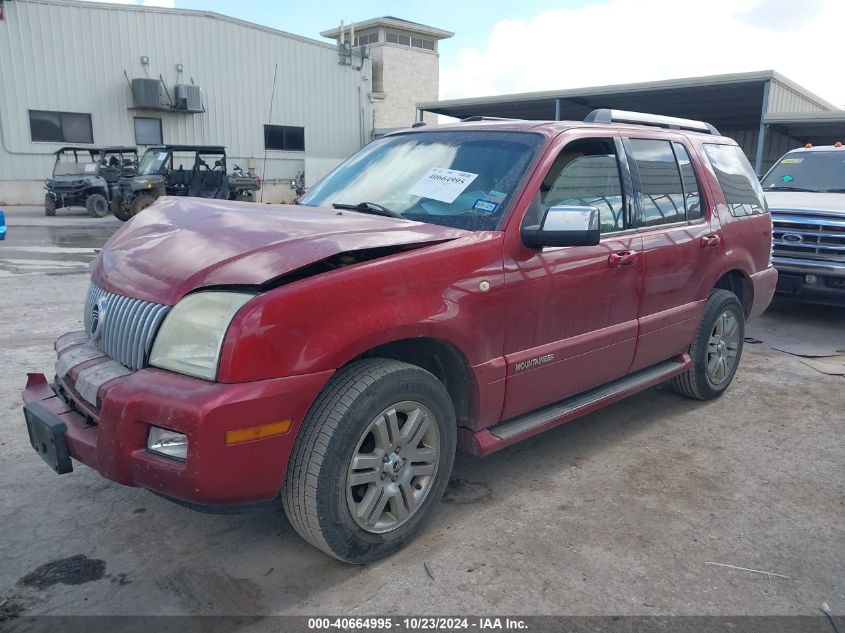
x,y
180,244
785,200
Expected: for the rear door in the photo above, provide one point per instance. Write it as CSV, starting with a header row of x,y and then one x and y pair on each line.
x,y
681,242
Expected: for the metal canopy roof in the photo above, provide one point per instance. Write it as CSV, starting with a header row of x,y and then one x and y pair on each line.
x,y
813,127
389,21
702,98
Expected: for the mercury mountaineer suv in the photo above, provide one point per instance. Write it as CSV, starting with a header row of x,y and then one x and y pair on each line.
x,y
463,286
806,192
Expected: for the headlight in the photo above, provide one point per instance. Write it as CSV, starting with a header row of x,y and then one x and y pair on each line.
x,y
167,443
191,336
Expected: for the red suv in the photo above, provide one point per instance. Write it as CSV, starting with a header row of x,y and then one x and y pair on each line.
x,y
468,285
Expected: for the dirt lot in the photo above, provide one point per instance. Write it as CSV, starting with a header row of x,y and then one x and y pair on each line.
x,y
619,512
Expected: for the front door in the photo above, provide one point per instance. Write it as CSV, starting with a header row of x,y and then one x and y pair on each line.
x,y
571,320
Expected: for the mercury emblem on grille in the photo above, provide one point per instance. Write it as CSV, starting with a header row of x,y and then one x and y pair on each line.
x,y
98,318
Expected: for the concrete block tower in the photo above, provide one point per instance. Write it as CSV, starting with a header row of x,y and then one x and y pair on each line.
x,y
405,66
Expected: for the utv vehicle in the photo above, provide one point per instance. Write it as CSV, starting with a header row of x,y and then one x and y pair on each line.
x,y
88,177
183,170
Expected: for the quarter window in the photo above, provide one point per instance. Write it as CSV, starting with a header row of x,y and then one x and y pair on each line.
x,y
284,137
742,190
586,173
60,127
662,200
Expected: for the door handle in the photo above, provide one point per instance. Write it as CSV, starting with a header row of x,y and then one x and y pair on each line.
x,y
622,259
710,241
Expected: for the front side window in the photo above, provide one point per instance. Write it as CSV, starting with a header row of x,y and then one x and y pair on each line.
x,y
818,171
586,174
464,179
742,190
60,127
662,200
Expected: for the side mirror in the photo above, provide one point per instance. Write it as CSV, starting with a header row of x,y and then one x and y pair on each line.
x,y
564,226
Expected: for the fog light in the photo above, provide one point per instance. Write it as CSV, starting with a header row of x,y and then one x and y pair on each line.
x,y
167,443
810,279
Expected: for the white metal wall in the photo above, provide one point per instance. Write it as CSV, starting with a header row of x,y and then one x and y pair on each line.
x,y
783,98
70,56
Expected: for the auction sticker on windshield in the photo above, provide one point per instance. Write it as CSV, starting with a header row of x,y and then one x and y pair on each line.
x,y
442,184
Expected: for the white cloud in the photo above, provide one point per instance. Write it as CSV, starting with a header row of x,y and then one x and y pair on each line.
x,y
622,41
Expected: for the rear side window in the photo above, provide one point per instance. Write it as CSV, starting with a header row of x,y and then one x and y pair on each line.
x,y
692,197
742,190
660,182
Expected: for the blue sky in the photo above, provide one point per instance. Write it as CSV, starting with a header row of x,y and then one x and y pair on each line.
x,y
472,21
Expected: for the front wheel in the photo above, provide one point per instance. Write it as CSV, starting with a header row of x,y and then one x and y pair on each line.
x,y
716,348
49,205
141,202
245,196
97,205
373,456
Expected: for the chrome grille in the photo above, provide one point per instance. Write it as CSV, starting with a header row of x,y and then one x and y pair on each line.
x,y
128,328
809,234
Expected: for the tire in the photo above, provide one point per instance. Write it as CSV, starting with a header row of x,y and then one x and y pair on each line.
x,y
116,205
319,493
139,203
49,205
719,339
245,196
97,205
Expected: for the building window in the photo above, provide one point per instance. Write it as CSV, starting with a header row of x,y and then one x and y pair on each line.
x,y
405,40
284,137
372,38
395,38
60,127
147,131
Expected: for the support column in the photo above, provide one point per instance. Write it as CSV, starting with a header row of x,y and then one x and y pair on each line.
x,y
557,109
761,135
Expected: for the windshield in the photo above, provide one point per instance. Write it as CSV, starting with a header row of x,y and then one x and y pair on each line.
x,y
463,179
152,162
808,171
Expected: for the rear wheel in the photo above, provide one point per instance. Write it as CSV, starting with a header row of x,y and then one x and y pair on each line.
x,y
49,205
716,349
245,196
373,456
97,205
140,203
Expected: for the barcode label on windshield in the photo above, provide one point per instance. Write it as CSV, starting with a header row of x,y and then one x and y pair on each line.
x,y
442,184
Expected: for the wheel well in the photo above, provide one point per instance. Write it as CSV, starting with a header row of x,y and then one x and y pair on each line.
x,y
738,283
441,359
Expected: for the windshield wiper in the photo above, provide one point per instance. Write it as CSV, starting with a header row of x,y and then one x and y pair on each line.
x,y
371,208
780,188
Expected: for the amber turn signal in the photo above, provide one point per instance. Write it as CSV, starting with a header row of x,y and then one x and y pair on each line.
x,y
239,436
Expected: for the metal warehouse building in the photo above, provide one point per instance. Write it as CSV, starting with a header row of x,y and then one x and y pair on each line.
x,y
105,75
766,113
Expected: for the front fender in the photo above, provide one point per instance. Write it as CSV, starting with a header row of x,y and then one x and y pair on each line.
x,y
322,322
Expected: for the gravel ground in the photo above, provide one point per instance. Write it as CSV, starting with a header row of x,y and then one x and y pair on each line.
x,y
617,513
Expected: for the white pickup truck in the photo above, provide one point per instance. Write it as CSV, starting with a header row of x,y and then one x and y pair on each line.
x,y
805,191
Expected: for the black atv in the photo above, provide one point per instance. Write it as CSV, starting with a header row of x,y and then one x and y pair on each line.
x,y
88,177
183,170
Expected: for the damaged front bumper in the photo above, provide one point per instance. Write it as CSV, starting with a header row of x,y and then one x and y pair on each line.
x,y
110,434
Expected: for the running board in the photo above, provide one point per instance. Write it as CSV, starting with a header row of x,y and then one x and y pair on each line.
x,y
511,431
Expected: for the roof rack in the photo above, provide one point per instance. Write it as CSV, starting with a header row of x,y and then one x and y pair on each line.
x,y
606,115
487,118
